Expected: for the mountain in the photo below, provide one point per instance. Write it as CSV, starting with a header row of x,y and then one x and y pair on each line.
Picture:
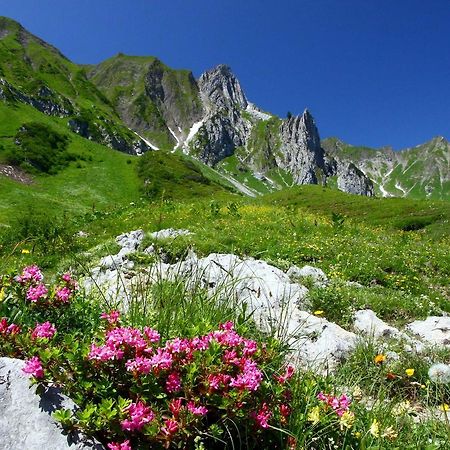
x,y
212,120
418,172
137,103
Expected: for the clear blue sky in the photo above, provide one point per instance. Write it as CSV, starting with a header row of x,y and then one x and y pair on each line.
x,y
371,72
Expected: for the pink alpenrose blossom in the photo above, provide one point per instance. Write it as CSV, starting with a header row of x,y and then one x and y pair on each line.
x,y
34,367
120,446
43,330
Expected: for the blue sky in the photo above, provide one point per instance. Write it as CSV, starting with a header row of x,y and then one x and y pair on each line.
x,y
371,72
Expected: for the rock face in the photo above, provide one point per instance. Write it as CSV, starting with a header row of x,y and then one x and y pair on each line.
x,y
25,417
223,128
352,180
434,330
300,152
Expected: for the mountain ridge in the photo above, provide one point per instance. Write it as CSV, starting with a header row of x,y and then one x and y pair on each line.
x,y
137,103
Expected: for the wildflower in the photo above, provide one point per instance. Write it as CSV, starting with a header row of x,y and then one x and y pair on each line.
x,y
175,406
63,294
112,317
444,407
262,416
401,408
357,393
250,378
390,433
374,429
6,329
314,415
409,372
319,312
105,353
380,358
216,381
123,446
346,420
170,427
173,383
196,410
162,360
34,367
44,330
391,376
140,415
289,372
2,294
152,335
439,373
30,274
35,293
25,251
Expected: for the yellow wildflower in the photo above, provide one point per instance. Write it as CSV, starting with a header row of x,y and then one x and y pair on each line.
x,y
444,407
319,312
347,420
2,294
401,408
25,250
374,429
314,415
389,433
409,372
357,393
380,358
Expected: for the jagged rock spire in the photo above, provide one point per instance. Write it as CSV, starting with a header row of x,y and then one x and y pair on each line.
x,y
221,89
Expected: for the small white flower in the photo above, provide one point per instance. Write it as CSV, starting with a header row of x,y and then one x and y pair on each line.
x,y
439,373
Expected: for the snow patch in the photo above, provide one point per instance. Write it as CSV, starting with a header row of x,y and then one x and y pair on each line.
x,y
176,138
384,193
192,132
399,187
152,146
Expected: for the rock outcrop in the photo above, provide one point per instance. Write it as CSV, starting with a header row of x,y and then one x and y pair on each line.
x,y
25,416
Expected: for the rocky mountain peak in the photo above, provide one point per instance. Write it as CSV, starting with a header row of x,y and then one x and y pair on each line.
x,y
221,89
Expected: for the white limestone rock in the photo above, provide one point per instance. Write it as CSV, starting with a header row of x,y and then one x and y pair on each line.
x,y
169,233
367,322
318,344
25,417
315,274
434,330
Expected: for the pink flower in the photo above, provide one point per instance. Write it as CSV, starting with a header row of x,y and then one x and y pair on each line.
x,y
44,330
249,379
262,416
112,317
8,329
286,376
217,381
170,427
126,335
34,367
70,282
173,383
30,274
162,360
176,406
63,294
226,326
340,405
117,446
105,353
152,335
35,293
140,415
196,410
285,410
139,364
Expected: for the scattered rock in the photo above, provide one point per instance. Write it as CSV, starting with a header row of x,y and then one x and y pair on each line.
x,y
317,276
322,345
169,233
25,417
434,330
368,323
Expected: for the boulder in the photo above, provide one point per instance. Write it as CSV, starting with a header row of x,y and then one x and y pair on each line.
x,y
434,330
315,274
25,417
